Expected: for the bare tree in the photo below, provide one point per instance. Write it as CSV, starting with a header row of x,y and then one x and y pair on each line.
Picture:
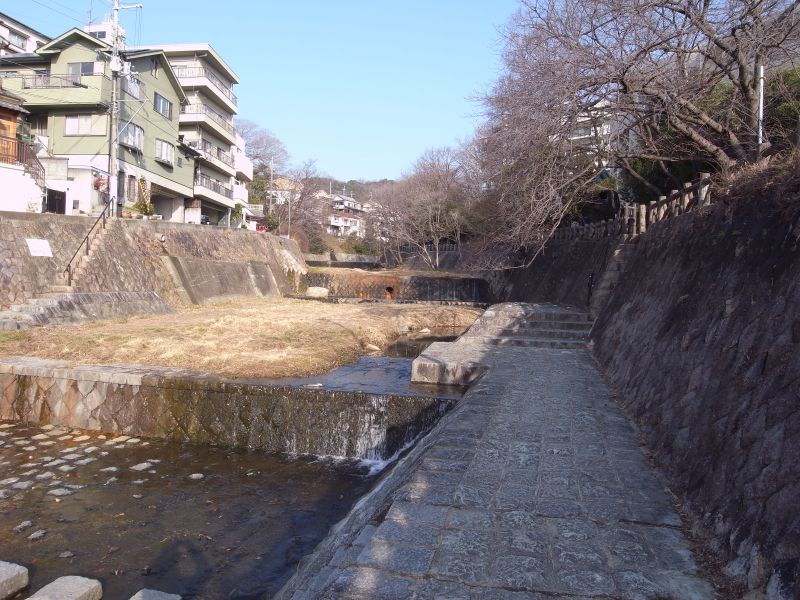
x,y
427,209
656,80
261,145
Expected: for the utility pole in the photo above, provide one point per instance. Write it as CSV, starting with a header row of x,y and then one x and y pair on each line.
x,y
116,67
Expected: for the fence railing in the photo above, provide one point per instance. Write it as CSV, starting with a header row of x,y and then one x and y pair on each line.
x,y
635,219
86,243
14,151
192,72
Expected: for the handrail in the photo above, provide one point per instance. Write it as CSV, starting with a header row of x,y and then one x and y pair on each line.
x,y
16,151
69,268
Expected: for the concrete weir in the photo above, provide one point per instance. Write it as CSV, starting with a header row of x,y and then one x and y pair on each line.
x,y
190,406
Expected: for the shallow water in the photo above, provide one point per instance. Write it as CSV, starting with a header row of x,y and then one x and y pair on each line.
x,y
237,532
373,375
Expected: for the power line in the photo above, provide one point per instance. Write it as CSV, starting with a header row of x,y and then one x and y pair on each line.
x,y
55,10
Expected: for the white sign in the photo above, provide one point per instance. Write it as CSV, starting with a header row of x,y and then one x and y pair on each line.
x,y
39,248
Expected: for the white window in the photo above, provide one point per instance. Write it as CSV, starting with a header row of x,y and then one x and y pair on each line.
x,y
85,125
17,39
162,105
132,136
85,68
165,152
133,86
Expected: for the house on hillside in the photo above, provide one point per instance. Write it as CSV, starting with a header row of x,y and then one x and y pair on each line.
x,y
66,85
22,182
347,216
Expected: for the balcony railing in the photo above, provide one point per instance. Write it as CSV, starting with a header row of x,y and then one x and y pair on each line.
x,y
214,186
188,72
50,81
16,152
210,150
202,109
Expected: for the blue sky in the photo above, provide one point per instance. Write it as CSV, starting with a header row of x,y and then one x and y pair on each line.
x,y
362,86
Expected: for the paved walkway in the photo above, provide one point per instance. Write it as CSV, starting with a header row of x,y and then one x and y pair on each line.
x,y
534,487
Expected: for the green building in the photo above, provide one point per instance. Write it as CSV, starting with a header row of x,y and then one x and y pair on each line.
x,y
67,88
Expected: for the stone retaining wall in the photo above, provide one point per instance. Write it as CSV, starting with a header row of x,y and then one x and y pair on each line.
x,y
344,283
702,338
129,258
560,274
23,276
196,407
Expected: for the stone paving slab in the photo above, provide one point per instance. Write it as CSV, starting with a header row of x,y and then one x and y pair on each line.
x,y
534,487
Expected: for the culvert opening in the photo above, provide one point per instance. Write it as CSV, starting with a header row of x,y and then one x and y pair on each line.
x,y
390,293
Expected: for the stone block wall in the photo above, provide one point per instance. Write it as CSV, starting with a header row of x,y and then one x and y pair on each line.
x,y
23,276
196,407
560,274
702,339
130,257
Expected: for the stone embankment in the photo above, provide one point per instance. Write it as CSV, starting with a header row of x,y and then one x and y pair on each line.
x,y
531,487
181,263
397,285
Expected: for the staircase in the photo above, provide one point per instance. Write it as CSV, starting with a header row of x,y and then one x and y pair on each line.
x,y
533,326
62,285
610,277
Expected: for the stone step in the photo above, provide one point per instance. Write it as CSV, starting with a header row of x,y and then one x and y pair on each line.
x,y
524,332
70,587
577,325
60,289
527,342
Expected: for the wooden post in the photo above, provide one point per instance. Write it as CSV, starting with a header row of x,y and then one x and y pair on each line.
x,y
651,212
686,196
662,201
641,215
673,196
704,191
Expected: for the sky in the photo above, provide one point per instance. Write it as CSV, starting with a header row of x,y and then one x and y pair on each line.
x,y
363,87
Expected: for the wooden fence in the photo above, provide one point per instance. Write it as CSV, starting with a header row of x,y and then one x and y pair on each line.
x,y
634,219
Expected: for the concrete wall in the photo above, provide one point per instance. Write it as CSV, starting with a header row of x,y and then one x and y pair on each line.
x,y
344,283
702,338
196,407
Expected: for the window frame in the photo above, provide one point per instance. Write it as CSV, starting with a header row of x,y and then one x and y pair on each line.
x,y
137,143
83,130
169,105
160,145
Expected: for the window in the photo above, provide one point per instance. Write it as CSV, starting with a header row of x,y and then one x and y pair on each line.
x,y
162,105
85,68
85,125
132,86
39,125
100,35
154,67
17,39
132,136
165,152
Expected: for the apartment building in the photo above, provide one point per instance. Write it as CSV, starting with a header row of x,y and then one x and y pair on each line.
x,y
66,85
206,125
18,38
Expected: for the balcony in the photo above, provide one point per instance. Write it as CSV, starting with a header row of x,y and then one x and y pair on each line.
x,y
201,77
17,152
213,155
240,194
61,90
205,115
209,189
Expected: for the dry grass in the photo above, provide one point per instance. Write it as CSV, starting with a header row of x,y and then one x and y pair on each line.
x,y
242,338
